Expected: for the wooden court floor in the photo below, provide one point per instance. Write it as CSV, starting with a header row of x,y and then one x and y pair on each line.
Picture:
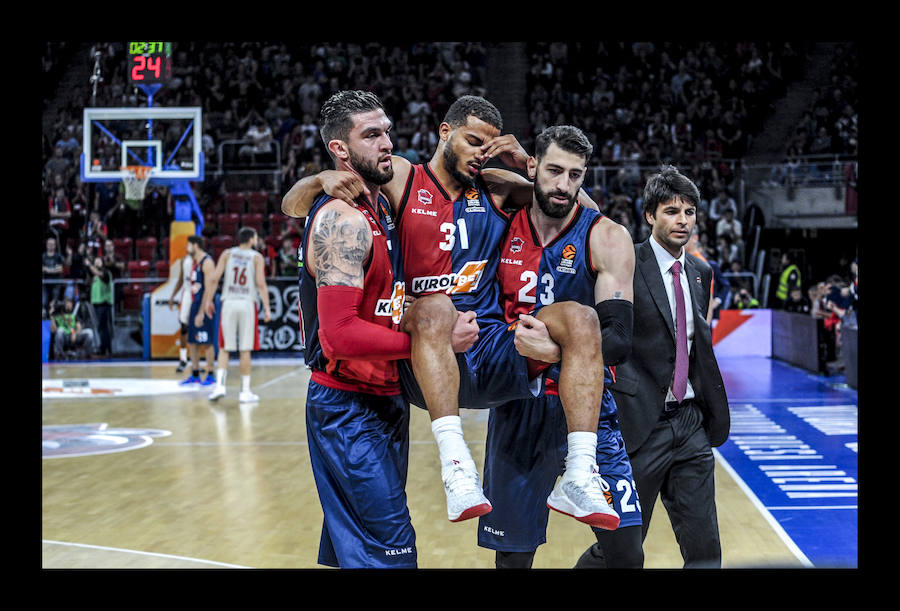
x,y
231,486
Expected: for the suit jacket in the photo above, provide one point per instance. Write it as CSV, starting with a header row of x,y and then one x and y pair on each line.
x,y
641,382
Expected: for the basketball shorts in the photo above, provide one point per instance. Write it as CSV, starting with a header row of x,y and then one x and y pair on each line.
x,y
238,326
184,308
491,372
525,453
359,452
205,333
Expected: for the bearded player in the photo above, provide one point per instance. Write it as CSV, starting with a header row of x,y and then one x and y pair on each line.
x,y
451,219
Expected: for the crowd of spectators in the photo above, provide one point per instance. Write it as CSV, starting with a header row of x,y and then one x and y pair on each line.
x,y
829,125
694,105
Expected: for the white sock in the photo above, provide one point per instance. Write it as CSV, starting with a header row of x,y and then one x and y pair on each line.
x,y
451,444
245,383
582,454
182,355
221,374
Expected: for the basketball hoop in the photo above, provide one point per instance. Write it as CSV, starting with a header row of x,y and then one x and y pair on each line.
x,y
135,179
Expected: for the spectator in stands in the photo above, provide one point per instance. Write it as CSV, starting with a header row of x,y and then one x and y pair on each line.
x,y
260,139
744,300
58,165
60,213
406,151
102,302
77,265
113,260
730,226
68,331
797,302
722,202
122,221
727,250
788,279
94,235
424,140
52,264
286,259
106,196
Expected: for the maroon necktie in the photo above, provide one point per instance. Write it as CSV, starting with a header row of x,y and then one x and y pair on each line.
x,y
679,382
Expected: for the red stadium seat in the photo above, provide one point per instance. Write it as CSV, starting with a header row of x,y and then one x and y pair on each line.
x,y
132,294
257,202
138,269
234,202
221,243
146,248
162,268
254,220
124,248
228,223
277,223
165,249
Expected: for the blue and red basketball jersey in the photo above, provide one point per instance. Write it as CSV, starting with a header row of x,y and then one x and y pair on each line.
x,y
451,245
382,304
532,275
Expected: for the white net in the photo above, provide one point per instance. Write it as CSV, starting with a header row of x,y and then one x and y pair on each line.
x,y
135,180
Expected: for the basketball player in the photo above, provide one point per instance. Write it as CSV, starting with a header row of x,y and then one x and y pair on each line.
x,y
182,290
451,220
244,277
557,250
200,322
351,301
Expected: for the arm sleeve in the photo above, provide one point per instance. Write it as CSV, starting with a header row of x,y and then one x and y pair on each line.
x,y
345,336
616,327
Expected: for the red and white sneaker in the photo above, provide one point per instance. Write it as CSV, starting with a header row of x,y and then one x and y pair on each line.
x,y
465,498
583,498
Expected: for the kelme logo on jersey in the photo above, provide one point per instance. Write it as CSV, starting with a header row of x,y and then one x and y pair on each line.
x,y
516,244
567,259
424,196
394,306
464,281
473,202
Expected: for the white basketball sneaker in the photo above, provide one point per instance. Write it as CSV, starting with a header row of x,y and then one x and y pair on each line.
x,y
465,498
584,499
217,393
247,397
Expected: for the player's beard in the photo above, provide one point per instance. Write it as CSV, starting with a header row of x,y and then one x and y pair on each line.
x,y
556,211
369,170
451,164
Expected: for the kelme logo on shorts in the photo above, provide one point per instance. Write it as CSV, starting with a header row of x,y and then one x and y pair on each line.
x,y
464,281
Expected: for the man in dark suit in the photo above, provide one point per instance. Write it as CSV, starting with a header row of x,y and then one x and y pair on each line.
x,y
672,404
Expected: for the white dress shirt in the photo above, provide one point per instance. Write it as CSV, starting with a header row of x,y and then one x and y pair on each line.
x,y
665,261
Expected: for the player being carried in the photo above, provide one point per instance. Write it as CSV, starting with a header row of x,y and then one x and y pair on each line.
x,y
243,273
451,219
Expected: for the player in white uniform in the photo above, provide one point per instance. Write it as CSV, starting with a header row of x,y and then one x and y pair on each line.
x,y
182,290
243,273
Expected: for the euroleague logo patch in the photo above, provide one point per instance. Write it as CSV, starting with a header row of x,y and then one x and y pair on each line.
x,y
567,260
70,440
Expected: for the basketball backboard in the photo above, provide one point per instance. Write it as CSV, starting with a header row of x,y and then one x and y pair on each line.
x,y
168,138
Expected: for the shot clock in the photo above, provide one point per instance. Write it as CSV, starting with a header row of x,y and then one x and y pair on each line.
x,y
149,63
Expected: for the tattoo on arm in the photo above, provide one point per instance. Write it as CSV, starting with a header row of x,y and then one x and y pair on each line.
x,y
340,245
